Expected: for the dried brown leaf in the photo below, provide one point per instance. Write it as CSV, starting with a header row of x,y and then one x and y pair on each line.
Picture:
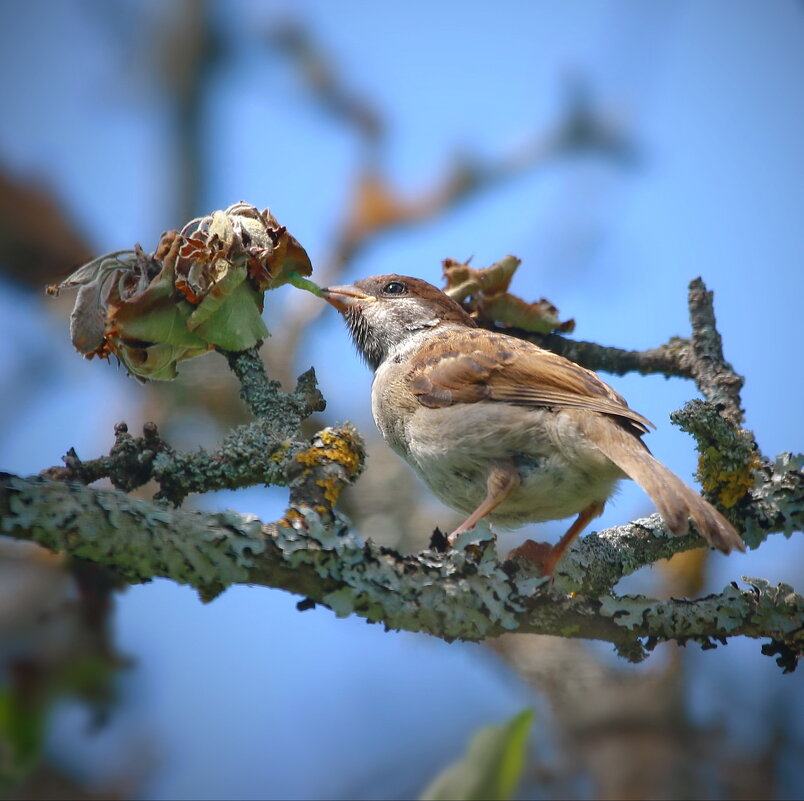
x,y
485,293
202,288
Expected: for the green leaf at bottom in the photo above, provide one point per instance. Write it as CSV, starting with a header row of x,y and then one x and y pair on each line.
x,y
491,768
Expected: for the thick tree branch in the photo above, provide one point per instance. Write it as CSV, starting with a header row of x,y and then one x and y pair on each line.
x,y
459,595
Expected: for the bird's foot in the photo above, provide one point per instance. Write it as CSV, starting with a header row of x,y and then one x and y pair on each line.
x,y
453,536
472,540
544,555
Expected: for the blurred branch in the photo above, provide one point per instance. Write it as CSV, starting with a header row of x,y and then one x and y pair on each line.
x,y
631,732
188,54
378,209
325,85
37,239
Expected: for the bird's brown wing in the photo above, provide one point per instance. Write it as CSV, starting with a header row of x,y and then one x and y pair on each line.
x,y
469,365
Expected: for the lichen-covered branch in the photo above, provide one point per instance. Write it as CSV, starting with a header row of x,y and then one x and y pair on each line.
x,y
265,398
129,464
263,452
466,593
775,505
457,595
729,460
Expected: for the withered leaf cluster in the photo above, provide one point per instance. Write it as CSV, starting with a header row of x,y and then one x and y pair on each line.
x,y
202,288
485,293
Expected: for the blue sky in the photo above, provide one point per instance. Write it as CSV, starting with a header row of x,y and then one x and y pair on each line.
x,y
246,693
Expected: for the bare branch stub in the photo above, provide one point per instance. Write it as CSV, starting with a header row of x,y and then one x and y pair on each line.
x,y
714,376
129,464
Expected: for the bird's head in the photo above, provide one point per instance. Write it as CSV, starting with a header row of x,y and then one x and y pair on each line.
x,y
384,311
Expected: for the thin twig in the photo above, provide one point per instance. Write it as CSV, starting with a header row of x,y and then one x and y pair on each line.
x,y
667,360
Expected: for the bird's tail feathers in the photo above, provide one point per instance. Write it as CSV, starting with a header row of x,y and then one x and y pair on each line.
x,y
675,500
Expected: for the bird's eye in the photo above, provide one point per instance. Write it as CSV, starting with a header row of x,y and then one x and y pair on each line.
x,y
394,288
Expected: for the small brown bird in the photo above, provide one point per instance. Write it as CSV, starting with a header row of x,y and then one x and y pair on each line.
x,y
498,427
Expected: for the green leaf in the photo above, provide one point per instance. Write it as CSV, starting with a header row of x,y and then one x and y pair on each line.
x,y
155,315
156,361
236,324
218,294
21,736
491,768
304,283
166,323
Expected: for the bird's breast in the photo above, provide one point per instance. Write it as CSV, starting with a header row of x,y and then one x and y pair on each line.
x,y
454,448
393,406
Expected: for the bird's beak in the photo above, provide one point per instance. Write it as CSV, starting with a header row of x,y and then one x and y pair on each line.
x,y
344,297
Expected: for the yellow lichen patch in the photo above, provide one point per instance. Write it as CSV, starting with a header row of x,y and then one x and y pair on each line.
x,y
332,489
281,452
337,445
343,447
309,458
727,483
287,519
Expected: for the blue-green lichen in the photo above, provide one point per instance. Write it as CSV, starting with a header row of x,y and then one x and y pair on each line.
x,y
420,600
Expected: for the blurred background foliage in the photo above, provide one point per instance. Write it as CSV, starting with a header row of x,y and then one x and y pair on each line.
x,y
619,148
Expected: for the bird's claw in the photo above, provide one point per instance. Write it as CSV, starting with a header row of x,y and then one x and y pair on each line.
x,y
544,555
